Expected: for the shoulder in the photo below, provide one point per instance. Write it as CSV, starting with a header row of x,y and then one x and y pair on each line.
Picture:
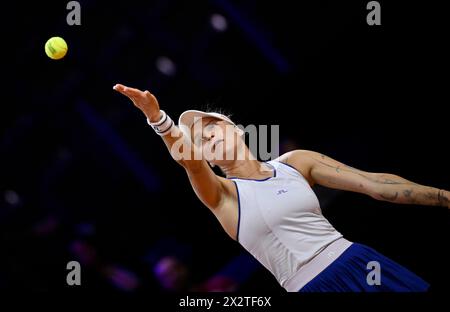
x,y
299,153
301,160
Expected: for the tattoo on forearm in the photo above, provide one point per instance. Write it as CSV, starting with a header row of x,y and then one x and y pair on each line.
x,y
442,199
407,193
425,197
411,195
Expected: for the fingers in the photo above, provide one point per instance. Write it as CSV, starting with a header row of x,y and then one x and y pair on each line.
x,y
121,88
118,87
143,100
132,93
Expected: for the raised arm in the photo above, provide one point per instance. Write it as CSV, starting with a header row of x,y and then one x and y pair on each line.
x,y
207,186
323,170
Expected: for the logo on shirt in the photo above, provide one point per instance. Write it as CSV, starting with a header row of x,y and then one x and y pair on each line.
x,y
281,192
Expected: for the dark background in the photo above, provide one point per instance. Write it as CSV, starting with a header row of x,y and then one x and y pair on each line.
x,y
81,170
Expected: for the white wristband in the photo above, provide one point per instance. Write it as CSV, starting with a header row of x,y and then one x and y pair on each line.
x,y
163,126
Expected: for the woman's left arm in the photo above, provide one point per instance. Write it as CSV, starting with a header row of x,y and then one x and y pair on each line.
x,y
323,170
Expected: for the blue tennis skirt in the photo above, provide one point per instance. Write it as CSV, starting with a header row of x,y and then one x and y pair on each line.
x,y
350,273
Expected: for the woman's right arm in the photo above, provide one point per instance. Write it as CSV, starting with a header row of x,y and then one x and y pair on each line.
x,y
207,186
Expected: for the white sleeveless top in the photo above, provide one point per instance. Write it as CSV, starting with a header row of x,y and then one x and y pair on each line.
x,y
282,226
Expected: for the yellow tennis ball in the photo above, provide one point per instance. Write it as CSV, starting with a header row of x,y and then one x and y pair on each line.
x,y
56,48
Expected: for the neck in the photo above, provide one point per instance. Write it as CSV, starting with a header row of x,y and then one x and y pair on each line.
x,y
246,166
247,169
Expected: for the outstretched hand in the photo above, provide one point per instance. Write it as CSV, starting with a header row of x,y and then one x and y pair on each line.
x,y
143,100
